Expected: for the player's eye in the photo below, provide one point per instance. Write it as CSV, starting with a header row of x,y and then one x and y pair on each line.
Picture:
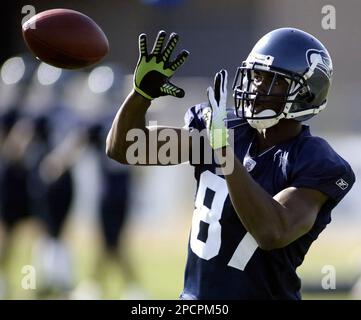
x,y
280,81
257,78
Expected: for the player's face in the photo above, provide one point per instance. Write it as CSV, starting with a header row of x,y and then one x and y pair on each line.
x,y
264,83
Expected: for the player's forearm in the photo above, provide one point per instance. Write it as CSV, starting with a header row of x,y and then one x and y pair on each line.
x,y
261,215
131,115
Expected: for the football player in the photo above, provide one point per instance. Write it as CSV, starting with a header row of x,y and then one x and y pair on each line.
x,y
16,74
253,225
44,121
114,212
98,93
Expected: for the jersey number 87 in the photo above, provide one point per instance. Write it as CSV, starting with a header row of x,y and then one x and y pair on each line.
x,y
210,248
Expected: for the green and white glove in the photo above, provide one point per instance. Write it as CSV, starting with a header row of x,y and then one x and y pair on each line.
x,y
153,71
216,114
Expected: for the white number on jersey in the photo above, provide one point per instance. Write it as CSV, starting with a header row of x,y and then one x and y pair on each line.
x,y
217,187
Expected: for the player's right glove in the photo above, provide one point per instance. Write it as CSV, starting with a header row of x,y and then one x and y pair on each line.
x,y
153,71
216,114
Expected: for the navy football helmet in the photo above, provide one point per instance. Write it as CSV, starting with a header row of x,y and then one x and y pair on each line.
x,y
297,57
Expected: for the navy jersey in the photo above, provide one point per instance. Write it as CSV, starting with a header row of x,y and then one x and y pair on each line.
x,y
224,260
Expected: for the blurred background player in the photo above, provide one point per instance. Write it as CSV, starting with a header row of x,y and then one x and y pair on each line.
x,y
103,88
38,127
16,74
52,193
49,117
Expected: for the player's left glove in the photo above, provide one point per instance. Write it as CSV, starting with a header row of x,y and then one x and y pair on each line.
x,y
153,71
216,114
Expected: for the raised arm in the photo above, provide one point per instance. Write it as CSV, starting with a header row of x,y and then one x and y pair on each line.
x,y
151,80
274,222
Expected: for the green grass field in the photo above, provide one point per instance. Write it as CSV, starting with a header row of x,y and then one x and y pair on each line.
x,y
159,260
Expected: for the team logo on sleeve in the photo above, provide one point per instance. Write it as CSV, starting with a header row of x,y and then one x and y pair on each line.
x,y
324,63
342,184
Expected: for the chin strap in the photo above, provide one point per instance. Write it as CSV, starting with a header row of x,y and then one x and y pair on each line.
x,y
261,124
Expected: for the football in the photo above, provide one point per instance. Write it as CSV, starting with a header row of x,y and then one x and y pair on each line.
x,y
65,38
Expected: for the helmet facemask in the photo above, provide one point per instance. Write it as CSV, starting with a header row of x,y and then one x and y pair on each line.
x,y
247,95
